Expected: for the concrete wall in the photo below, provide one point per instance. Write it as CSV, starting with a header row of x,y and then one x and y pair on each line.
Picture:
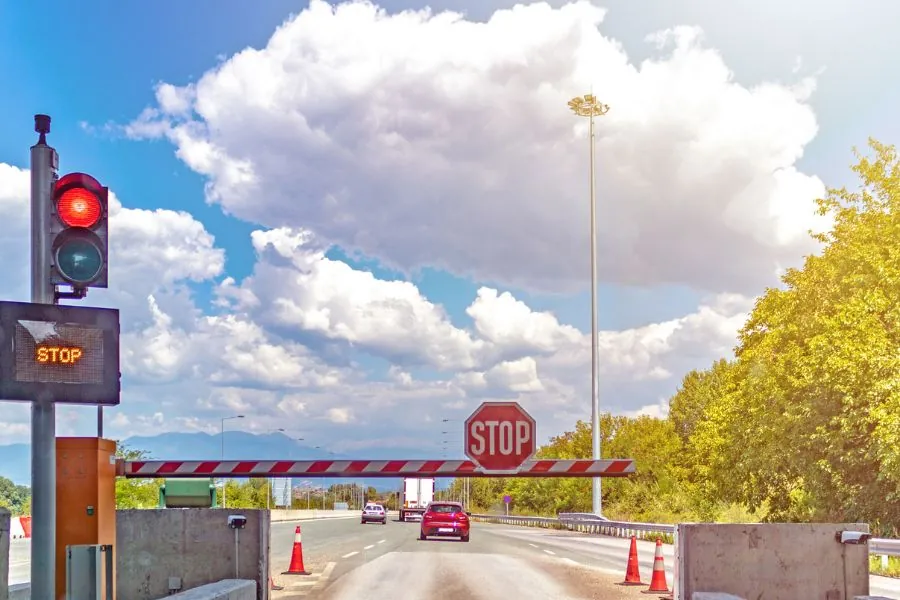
x,y
4,554
194,544
775,561
20,591
228,589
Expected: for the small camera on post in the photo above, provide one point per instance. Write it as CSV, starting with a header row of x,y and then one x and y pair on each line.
x,y
853,537
237,521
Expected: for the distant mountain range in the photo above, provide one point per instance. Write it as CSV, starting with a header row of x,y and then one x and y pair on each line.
x,y
15,459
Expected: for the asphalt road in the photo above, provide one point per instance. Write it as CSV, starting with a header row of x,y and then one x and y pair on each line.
x,y
351,561
347,559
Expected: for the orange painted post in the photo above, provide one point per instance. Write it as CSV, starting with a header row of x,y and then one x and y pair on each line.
x,y
85,498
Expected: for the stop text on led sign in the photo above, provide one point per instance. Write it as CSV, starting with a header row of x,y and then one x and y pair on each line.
x,y
61,355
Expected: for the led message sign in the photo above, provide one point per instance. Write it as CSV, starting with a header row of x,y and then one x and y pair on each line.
x,y
66,354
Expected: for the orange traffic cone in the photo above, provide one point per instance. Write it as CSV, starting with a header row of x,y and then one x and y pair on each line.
x,y
633,572
296,567
658,581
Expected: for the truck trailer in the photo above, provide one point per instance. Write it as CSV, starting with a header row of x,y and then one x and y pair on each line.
x,y
415,496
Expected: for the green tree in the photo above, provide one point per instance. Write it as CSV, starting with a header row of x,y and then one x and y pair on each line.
x,y
802,424
248,493
15,498
135,493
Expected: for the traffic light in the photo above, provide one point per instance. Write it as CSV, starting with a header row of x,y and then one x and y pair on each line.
x,y
79,232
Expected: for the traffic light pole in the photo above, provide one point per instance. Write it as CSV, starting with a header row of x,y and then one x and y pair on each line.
x,y
44,164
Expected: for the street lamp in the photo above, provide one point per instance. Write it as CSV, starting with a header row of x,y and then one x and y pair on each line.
x,y
225,481
269,479
589,106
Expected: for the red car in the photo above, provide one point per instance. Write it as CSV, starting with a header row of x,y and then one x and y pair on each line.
x,y
445,519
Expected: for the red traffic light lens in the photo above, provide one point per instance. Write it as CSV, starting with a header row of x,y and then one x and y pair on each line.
x,y
79,207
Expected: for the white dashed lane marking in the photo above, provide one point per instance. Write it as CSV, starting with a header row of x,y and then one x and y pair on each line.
x,y
369,547
349,554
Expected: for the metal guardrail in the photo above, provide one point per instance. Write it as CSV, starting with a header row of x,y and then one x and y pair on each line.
x,y
590,523
594,524
884,546
583,522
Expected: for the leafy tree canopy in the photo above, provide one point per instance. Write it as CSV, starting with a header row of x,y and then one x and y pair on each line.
x,y
803,424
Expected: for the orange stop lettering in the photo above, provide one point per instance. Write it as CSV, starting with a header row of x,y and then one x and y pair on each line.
x,y
64,355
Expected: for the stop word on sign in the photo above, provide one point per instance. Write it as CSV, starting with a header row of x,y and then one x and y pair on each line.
x,y
500,437
67,355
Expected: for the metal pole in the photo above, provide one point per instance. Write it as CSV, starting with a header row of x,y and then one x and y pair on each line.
x,y
595,391
99,421
44,165
224,481
237,553
589,106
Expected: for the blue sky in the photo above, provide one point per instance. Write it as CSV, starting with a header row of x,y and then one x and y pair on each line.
x,y
693,222
77,78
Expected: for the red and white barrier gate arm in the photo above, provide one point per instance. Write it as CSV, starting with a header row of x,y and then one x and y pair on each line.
x,y
622,467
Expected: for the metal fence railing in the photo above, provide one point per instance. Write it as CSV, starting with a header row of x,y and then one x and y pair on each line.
x,y
592,524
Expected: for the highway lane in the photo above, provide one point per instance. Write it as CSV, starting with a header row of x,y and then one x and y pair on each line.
x,y
349,558
351,561
340,546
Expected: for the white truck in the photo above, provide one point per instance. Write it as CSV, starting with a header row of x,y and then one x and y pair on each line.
x,y
416,495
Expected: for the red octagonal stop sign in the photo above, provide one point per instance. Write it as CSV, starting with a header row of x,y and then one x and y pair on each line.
x,y
500,437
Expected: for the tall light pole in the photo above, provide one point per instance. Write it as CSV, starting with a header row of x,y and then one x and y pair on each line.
x,y
289,489
269,479
589,106
465,482
225,481
333,486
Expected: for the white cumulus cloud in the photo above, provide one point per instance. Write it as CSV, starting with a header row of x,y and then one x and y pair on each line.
x,y
426,139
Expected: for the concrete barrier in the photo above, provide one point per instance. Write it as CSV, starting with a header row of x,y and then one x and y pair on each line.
x,y
777,561
280,516
17,528
195,545
4,554
227,589
20,591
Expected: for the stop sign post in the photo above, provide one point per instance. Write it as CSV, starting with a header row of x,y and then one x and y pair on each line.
x,y
500,437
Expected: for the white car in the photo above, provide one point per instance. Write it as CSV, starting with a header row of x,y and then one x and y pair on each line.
x,y
374,512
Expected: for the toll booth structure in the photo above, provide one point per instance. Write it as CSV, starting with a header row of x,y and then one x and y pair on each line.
x,y
194,492
86,501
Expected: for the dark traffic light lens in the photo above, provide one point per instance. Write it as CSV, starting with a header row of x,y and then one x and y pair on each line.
x,y
79,260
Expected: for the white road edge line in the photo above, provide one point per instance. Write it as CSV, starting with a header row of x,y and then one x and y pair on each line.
x,y
348,555
569,561
381,541
326,573
550,552
532,545
369,547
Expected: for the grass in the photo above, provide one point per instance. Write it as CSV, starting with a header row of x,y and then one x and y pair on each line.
x,y
893,566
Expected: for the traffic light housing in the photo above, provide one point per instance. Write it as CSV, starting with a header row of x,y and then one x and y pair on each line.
x,y
79,232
